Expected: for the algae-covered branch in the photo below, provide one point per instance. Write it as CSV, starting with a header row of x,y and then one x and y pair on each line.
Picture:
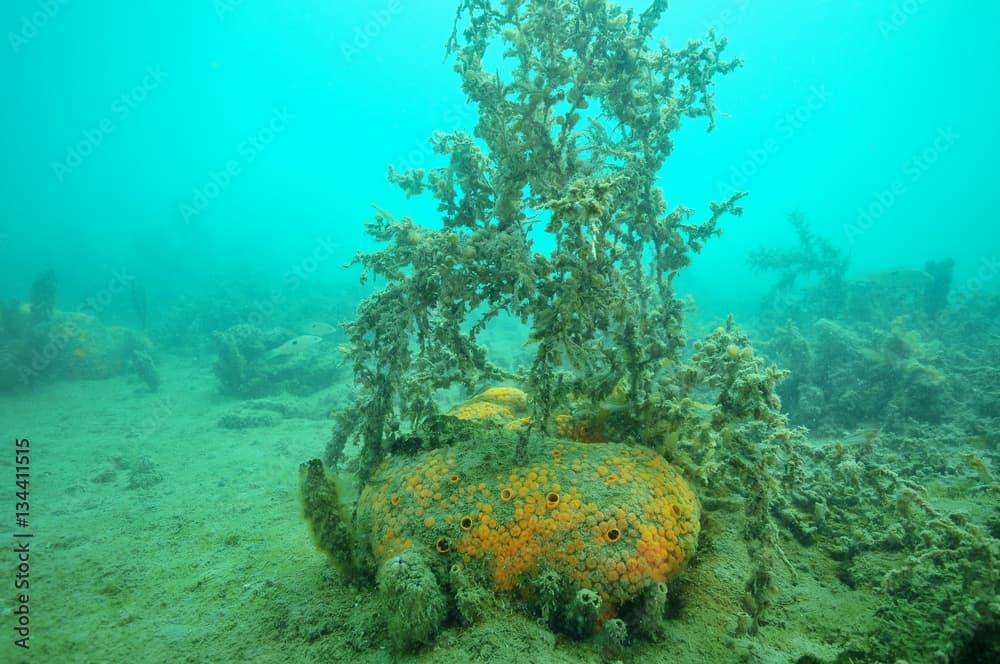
x,y
557,492
550,212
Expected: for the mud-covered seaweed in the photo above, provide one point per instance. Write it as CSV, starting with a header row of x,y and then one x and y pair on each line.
x,y
550,213
935,571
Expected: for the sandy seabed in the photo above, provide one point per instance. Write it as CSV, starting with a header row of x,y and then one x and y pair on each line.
x,y
160,535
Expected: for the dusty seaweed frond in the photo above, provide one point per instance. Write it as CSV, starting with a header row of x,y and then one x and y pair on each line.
x,y
576,112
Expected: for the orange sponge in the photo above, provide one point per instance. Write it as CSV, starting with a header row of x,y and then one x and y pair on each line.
x,y
609,518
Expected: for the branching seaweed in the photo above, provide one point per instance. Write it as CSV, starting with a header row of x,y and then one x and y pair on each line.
x,y
574,125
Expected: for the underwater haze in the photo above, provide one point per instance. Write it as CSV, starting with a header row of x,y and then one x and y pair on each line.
x,y
190,304
872,117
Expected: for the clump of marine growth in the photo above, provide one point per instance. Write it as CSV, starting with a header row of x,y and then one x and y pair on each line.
x,y
607,520
578,532
567,149
611,518
559,496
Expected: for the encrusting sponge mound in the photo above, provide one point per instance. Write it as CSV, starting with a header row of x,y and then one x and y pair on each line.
x,y
610,518
577,532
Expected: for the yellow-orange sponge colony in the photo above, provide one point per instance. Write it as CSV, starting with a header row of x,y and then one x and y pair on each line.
x,y
496,405
610,518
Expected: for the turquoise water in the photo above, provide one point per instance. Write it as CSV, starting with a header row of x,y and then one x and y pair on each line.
x,y
185,183
874,118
